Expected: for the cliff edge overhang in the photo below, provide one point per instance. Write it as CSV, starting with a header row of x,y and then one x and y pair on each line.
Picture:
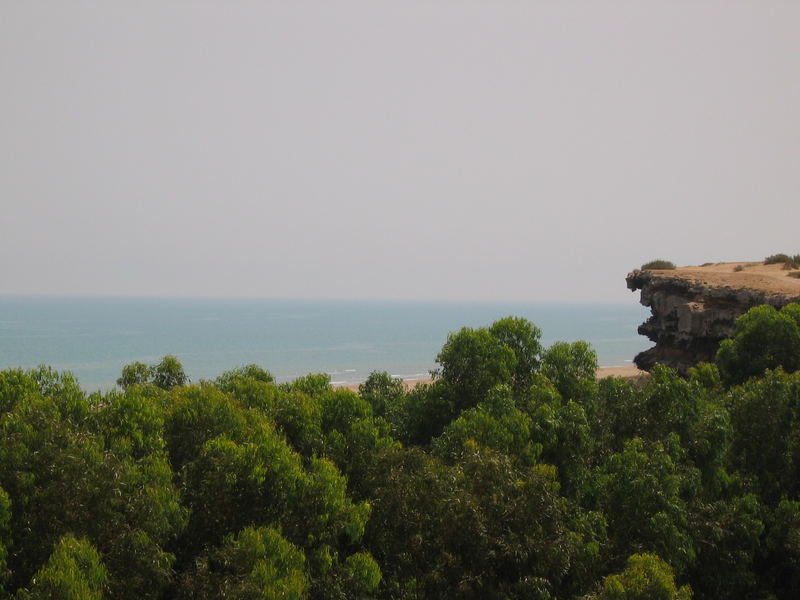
x,y
694,308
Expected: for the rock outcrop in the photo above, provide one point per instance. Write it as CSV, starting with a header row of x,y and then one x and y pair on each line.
x,y
694,308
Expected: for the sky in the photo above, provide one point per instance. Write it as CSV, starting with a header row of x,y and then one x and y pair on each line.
x,y
443,150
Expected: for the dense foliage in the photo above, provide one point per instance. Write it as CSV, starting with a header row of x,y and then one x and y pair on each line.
x,y
514,474
763,338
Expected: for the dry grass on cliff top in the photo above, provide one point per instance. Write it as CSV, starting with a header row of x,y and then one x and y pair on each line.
x,y
772,279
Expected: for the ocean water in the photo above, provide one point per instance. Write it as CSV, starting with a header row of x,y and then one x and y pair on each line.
x,y
95,337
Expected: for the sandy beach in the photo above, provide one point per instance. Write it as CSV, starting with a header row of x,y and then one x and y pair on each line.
x,y
628,372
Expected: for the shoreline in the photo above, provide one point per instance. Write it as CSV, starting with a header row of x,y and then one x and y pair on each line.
x,y
626,372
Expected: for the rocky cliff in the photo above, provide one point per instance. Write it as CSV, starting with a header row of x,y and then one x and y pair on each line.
x,y
693,308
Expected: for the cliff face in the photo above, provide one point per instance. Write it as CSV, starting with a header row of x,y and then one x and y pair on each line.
x,y
693,308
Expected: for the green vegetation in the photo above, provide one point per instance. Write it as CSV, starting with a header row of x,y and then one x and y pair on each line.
x,y
167,374
646,577
763,338
658,264
73,572
514,474
789,262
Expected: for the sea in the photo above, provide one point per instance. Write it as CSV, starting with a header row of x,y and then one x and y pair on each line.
x,y
95,337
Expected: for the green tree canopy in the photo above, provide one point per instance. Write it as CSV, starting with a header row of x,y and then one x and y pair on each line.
x,y
135,373
572,369
765,415
472,362
763,338
381,390
646,577
494,423
645,492
253,372
255,564
64,476
73,572
167,374
523,338
5,537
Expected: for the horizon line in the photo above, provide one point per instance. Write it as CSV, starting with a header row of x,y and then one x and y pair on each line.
x,y
95,296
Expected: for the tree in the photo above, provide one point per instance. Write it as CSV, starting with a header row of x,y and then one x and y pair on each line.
x,y
238,479
5,541
727,534
765,415
73,572
167,374
238,471
472,362
68,466
568,446
763,338
523,338
297,415
646,577
135,373
16,384
417,516
255,564
381,390
352,437
361,575
572,369
782,552
313,384
132,424
479,528
668,405
251,371
644,492
494,423
195,415
524,546
422,413
617,418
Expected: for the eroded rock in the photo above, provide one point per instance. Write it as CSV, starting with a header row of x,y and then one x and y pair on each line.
x,y
692,314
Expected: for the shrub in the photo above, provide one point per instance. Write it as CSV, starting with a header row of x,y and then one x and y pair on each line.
x,y
738,268
789,262
795,274
777,258
658,264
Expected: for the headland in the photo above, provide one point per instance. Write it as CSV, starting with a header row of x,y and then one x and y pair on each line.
x,y
694,307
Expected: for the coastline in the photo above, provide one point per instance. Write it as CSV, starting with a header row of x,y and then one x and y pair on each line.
x,y
627,372
97,337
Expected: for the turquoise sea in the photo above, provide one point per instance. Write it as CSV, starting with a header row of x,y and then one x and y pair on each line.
x,y
95,337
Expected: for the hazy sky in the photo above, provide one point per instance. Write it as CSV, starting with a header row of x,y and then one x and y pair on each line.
x,y
517,150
